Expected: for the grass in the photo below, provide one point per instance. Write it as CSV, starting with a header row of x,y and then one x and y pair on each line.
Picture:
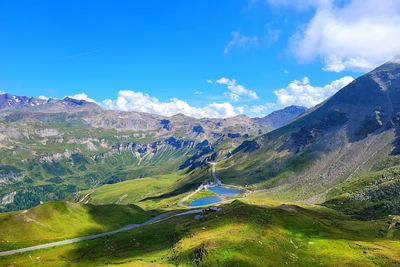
x,y
53,221
370,195
132,191
140,191
200,194
264,233
264,168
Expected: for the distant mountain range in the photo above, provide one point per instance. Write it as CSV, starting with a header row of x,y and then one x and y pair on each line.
x,y
53,147
9,102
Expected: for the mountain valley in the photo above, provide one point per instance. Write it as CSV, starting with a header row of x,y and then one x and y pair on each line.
x,y
317,186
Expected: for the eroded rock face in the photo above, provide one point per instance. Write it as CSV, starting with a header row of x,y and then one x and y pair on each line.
x,y
246,147
8,199
145,149
10,174
370,124
56,156
47,132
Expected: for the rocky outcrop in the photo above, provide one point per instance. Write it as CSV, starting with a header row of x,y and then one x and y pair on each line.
x,y
10,174
8,199
56,156
146,149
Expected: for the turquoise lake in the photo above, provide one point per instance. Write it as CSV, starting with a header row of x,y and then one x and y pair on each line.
x,y
220,191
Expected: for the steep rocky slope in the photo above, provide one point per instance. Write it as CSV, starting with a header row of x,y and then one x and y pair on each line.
x,y
349,134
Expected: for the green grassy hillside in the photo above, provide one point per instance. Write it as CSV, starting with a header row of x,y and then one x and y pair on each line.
x,y
59,220
142,192
242,234
371,195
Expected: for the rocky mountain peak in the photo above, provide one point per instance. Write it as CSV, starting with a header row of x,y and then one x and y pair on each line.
x,y
9,101
281,117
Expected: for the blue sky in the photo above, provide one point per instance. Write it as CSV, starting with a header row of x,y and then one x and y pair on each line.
x,y
203,58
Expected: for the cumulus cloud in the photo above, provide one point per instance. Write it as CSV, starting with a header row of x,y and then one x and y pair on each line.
x,y
302,93
128,100
232,96
236,90
240,41
262,110
82,96
297,92
299,4
356,35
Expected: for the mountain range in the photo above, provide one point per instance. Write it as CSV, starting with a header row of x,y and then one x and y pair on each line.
x,y
54,148
57,141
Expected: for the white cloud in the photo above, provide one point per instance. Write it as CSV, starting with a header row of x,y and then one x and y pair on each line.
x,y
128,100
232,96
236,90
357,35
197,92
296,93
273,34
298,4
262,110
83,96
209,81
240,41
302,93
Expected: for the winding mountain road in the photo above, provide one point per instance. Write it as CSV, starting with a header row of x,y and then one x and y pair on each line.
x,y
159,218
205,185
214,175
